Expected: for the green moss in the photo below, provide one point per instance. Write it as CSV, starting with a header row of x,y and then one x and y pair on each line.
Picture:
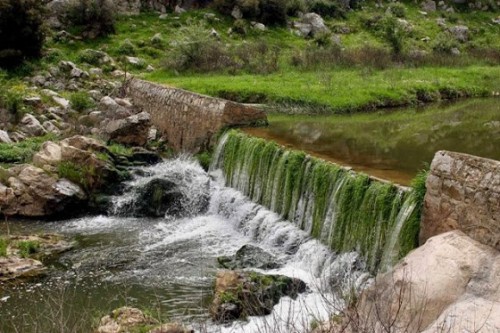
x,y
347,211
205,159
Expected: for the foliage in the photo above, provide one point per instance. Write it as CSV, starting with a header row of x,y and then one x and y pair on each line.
x,y
269,12
394,34
118,149
27,248
12,97
80,101
21,31
444,43
205,159
22,152
127,48
78,174
418,186
397,9
93,18
294,7
328,8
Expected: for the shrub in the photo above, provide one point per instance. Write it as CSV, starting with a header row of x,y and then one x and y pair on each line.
x,y
328,8
93,18
273,12
269,12
444,43
126,48
80,101
12,99
397,9
23,151
240,27
394,34
293,7
79,174
21,31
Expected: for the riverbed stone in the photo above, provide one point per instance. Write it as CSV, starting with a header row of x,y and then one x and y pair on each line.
x,y
125,319
249,256
239,294
15,267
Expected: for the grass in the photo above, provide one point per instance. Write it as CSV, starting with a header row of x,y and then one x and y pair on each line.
x,y
3,247
343,90
27,248
22,152
118,149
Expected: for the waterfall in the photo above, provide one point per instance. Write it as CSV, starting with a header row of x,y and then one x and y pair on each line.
x,y
344,210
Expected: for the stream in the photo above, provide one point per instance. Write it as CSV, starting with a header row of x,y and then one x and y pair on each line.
x,y
168,265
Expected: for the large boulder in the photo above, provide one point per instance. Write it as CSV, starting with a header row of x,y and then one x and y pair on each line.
x,y
132,130
31,126
33,192
158,198
242,294
249,256
310,25
451,284
14,268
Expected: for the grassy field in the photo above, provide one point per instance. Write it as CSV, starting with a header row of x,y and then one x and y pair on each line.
x,y
278,67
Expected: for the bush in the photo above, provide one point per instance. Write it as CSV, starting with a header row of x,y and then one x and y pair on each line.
x,y
127,48
397,9
21,31
12,99
80,101
269,12
93,18
328,8
293,7
394,34
444,43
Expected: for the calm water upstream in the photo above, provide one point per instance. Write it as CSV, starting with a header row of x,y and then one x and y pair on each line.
x,y
395,144
168,265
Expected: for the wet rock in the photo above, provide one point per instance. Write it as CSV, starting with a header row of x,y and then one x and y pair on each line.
x,y
141,156
158,198
132,130
242,294
125,319
249,256
15,267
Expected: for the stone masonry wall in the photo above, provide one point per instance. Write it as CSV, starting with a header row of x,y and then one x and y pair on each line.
x,y
188,120
463,192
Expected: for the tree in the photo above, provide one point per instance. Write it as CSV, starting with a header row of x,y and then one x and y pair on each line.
x,y
21,31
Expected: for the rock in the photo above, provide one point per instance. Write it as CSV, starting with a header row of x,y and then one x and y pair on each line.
x,y
163,16
125,319
249,256
35,101
441,22
47,245
460,33
171,328
85,143
141,156
311,24
31,126
242,294
152,134
150,68
97,58
50,127
158,198
429,6
78,74
454,51
14,268
64,103
112,109
214,33
259,27
136,62
95,72
117,73
125,102
157,39
461,294
66,66
236,13
4,137
179,10
34,193
49,154
132,130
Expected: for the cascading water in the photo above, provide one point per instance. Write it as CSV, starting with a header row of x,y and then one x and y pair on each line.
x,y
172,262
346,211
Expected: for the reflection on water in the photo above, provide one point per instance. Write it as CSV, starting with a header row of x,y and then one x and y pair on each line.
x,y
392,145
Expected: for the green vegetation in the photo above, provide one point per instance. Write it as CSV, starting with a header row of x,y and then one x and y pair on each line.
x,y
205,159
78,174
21,32
3,247
22,152
27,248
119,149
81,101
368,213
90,18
